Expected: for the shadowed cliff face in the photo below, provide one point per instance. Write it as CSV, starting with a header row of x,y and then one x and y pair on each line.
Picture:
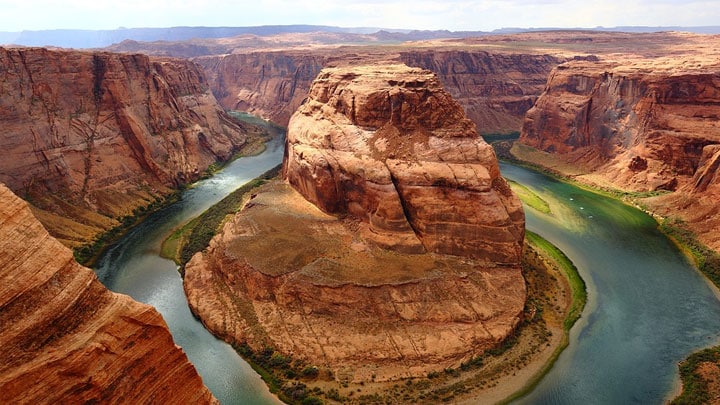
x,y
495,90
413,266
640,129
88,137
65,338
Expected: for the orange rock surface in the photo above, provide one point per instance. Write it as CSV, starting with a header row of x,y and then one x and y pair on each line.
x,y
387,145
413,266
89,137
66,339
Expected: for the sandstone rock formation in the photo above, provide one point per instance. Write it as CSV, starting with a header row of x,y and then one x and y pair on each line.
x,y
495,89
415,264
89,137
640,126
67,339
390,147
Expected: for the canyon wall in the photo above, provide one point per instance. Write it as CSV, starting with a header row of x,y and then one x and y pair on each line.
x,y
269,84
89,137
495,89
66,339
644,126
401,242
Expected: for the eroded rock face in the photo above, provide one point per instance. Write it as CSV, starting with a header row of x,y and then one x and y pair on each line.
x,y
495,89
66,339
392,250
387,145
640,129
88,137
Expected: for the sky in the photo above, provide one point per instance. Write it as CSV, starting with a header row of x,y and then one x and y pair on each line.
x,y
454,15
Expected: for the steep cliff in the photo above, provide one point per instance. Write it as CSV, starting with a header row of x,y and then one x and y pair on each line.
x,y
495,89
415,264
643,126
89,137
67,339
268,84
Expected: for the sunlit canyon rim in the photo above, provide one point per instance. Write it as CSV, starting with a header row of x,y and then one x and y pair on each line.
x,y
111,132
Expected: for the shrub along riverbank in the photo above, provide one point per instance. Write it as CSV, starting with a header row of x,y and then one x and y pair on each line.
x,y
195,236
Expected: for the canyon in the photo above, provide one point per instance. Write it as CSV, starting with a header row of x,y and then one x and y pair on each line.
x,y
402,243
639,125
67,339
91,137
633,112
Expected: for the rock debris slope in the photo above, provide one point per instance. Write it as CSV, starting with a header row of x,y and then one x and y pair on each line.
x,y
66,339
393,248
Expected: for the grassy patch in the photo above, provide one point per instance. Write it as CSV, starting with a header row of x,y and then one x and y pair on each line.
x,y
195,236
89,253
579,299
529,197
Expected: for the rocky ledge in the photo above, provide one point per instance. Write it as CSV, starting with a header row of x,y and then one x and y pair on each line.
x,y
66,339
391,250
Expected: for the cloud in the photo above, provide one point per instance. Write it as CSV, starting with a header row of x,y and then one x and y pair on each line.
x,y
419,14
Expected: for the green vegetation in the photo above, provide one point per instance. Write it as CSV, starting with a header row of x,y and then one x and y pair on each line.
x,y
706,259
88,254
286,376
577,285
695,387
579,299
499,136
529,197
195,236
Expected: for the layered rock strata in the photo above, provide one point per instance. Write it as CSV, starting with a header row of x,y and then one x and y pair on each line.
x,y
643,126
67,339
390,147
89,137
495,89
393,249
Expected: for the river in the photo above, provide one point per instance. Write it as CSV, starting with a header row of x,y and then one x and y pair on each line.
x,y
647,307
133,266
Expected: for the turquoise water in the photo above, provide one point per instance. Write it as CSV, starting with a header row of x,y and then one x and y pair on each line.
x,y
133,266
648,308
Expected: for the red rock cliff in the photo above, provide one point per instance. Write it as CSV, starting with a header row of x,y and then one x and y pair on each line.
x,y
66,339
88,137
389,146
642,126
495,89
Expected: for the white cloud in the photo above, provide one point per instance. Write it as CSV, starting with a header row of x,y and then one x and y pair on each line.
x,y
420,14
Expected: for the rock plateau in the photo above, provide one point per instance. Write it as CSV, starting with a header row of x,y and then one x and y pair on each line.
x,y
66,339
401,243
89,137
